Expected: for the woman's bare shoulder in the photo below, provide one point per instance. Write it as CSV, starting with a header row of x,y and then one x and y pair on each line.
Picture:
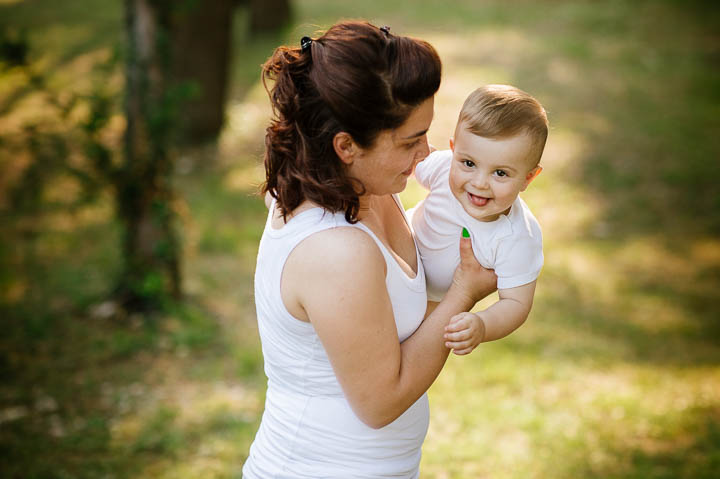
x,y
344,246
328,269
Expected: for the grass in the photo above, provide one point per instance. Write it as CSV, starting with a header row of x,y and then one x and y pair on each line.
x,y
616,373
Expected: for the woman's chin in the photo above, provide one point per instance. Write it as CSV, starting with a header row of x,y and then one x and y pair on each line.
x,y
403,184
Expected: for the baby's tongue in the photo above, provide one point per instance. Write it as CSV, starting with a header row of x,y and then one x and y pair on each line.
x,y
478,200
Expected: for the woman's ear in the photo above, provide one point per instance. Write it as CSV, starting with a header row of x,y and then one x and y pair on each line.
x,y
345,147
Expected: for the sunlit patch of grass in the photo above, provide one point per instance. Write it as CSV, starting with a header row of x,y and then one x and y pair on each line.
x,y
13,78
246,122
590,378
245,178
207,423
509,414
157,434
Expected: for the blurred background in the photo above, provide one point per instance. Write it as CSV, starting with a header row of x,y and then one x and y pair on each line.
x,y
131,140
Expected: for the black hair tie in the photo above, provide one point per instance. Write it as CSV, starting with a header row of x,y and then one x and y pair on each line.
x,y
385,29
305,43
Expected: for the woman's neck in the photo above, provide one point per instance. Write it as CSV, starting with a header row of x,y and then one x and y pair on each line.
x,y
368,205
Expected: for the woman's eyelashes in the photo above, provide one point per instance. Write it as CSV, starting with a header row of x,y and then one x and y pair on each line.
x,y
412,144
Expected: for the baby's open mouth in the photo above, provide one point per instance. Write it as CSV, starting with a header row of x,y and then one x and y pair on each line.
x,y
478,200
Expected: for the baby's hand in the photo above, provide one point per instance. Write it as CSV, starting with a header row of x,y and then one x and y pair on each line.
x,y
464,333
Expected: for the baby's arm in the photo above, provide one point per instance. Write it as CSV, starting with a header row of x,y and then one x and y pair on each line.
x,y
467,330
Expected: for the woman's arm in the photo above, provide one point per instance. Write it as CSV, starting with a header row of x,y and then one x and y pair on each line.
x,y
336,280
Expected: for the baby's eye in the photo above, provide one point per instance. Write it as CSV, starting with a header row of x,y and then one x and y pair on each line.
x,y
468,163
500,173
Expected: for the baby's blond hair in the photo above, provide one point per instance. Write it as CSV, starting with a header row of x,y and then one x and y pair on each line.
x,y
501,111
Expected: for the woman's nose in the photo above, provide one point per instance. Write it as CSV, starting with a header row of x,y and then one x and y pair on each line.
x,y
424,150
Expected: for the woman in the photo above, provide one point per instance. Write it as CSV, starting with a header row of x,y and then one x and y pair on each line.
x,y
339,289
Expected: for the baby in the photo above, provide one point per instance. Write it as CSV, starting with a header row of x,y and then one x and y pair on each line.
x,y
474,188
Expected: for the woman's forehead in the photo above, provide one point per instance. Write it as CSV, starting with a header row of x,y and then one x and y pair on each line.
x,y
417,123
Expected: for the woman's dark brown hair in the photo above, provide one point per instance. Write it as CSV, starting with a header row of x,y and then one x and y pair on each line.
x,y
355,78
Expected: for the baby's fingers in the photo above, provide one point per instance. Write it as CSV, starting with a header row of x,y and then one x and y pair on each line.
x,y
458,336
456,326
459,345
462,352
458,322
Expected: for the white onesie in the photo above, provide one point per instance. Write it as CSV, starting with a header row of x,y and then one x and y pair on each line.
x,y
511,245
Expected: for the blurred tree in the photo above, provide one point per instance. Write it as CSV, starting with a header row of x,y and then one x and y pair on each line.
x,y
201,34
201,44
177,55
144,188
269,15
13,48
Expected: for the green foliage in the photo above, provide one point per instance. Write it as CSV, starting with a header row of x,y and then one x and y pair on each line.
x,y
158,434
55,140
197,329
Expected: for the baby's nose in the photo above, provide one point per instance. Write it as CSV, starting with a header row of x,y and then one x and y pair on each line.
x,y
480,180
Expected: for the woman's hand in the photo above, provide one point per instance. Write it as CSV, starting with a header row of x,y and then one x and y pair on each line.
x,y
471,279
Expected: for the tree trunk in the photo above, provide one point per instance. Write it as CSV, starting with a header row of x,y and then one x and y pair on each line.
x,y
269,15
201,37
151,247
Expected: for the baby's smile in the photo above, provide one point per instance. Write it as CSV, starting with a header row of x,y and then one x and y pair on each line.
x,y
478,200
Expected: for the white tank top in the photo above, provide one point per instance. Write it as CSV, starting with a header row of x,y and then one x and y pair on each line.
x,y
308,429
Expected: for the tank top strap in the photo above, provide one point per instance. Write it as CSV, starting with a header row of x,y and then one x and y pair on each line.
x,y
314,220
303,225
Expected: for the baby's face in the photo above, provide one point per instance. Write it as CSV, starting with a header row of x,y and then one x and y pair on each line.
x,y
487,175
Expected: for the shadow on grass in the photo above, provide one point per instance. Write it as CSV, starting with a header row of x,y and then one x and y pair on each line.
x,y
690,452
657,322
637,85
71,371
69,380
639,82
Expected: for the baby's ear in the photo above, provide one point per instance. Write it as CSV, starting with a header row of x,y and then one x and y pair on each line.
x,y
452,144
532,174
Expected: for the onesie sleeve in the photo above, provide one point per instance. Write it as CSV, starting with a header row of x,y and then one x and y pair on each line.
x,y
518,260
428,171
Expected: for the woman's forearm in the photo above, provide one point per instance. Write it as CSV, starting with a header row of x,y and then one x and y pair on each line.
x,y
423,356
